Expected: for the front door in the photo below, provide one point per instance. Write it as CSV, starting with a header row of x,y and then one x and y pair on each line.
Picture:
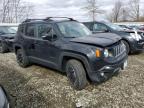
x,y
46,50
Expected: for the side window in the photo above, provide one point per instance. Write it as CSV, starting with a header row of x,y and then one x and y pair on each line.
x,y
44,30
99,27
30,31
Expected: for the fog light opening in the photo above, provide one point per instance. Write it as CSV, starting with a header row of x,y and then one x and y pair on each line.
x,y
102,74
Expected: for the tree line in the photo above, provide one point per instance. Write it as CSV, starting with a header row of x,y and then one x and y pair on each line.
x,y
14,11
121,10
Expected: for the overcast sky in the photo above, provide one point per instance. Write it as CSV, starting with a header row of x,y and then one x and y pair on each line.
x,y
69,8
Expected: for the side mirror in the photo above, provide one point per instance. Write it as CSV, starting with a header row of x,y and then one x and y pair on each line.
x,y
49,37
3,98
54,37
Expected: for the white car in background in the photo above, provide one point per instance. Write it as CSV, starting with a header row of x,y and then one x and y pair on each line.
x,y
7,35
12,25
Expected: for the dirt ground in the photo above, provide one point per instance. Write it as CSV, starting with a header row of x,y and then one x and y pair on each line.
x,y
40,87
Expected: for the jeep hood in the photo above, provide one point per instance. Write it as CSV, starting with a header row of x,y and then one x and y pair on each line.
x,y
101,39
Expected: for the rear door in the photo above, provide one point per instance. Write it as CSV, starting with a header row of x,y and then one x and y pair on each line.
x,y
29,39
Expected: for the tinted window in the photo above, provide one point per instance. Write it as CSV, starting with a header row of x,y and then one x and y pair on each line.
x,y
44,30
99,27
89,25
30,30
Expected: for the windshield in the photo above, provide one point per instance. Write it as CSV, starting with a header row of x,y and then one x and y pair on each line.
x,y
73,29
7,30
115,27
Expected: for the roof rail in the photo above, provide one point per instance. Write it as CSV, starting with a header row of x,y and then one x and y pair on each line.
x,y
50,18
29,20
47,19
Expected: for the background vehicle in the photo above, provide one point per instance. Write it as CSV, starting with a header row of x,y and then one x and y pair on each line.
x,y
7,34
141,28
124,27
68,46
4,103
134,40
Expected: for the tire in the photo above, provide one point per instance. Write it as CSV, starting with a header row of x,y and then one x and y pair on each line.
x,y
22,59
127,46
3,48
76,74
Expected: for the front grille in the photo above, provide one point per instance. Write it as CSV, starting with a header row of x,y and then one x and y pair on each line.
x,y
117,49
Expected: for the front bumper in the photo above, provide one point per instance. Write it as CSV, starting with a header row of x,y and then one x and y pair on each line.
x,y
107,70
137,46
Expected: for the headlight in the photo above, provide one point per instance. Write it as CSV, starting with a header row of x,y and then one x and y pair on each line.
x,y
106,53
136,36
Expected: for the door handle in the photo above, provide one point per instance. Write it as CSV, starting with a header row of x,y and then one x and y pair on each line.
x,y
35,42
32,46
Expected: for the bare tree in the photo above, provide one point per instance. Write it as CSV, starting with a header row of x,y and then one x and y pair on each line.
x,y
117,10
26,10
124,14
116,13
134,8
4,9
14,10
109,16
92,8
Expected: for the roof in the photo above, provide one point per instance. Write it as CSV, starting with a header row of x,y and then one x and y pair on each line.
x,y
48,20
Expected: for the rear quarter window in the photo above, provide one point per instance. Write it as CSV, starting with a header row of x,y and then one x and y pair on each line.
x,y
89,26
21,28
30,30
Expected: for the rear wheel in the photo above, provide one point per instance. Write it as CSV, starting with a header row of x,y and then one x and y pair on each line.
x,y
22,59
3,48
76,74
127,46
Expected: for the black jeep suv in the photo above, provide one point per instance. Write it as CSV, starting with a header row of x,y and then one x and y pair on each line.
x,y
134,40
7,35
68,46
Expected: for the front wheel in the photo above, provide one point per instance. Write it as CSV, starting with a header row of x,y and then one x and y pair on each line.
x,y
76,74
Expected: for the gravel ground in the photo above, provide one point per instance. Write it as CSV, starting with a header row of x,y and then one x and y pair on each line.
x,y
40,87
